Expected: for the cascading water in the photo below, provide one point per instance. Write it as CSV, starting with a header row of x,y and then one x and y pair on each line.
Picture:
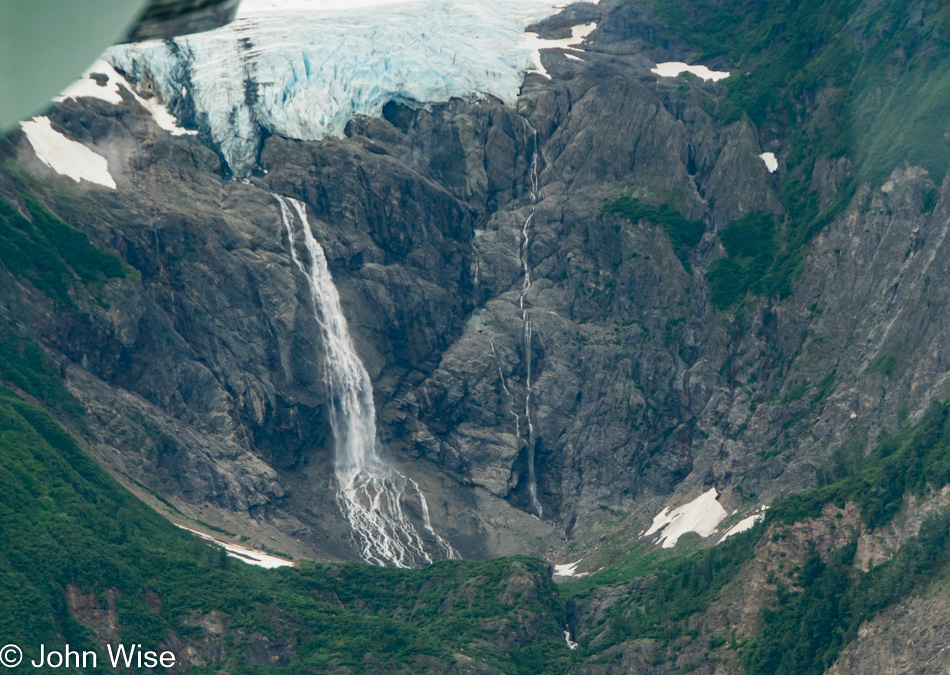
x,y
370,490
504,386
525,319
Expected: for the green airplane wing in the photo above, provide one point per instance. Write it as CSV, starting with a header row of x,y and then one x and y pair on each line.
x,y
47,44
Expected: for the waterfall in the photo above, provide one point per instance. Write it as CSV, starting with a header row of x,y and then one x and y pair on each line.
x,y
371,491
504,386
525,319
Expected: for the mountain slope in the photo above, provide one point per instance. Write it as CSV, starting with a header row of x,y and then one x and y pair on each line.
x,y
85,563
88,565
597,305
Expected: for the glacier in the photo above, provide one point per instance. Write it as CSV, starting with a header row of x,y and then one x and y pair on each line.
x,y
304,68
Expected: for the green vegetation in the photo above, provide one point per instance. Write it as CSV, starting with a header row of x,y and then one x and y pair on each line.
x,y
25,365
636,565
684,234
215,528
805,633
883,77
909,461
750,249
869,82
67,523
49,253
681,587
883,364
825,387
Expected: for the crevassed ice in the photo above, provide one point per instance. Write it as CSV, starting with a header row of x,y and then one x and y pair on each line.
x,y
304,69
702,516
65,156
249,7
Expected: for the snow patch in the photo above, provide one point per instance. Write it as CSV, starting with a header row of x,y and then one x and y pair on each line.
x,y
741,526
702,516
535,44
88,87
572,57
674,68
770,162
64,156
162,117
569,570
247,555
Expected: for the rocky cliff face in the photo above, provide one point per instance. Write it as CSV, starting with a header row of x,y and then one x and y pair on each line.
x,y
641,387
201,375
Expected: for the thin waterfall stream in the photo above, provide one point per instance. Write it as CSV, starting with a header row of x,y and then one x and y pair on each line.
x,y
371,491
535,194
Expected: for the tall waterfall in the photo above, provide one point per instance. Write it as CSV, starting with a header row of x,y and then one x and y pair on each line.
x,y
370,490
525,319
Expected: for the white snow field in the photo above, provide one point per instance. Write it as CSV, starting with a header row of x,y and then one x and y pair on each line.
x,y
304,69
246,555
674,68
742,526
771,163
702,516
569,570
64,156
535,44
88,87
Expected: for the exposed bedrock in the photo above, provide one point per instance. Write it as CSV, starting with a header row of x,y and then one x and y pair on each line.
x,y
203,377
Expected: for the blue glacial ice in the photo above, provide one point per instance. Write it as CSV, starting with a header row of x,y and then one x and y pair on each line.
x,y
304,68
